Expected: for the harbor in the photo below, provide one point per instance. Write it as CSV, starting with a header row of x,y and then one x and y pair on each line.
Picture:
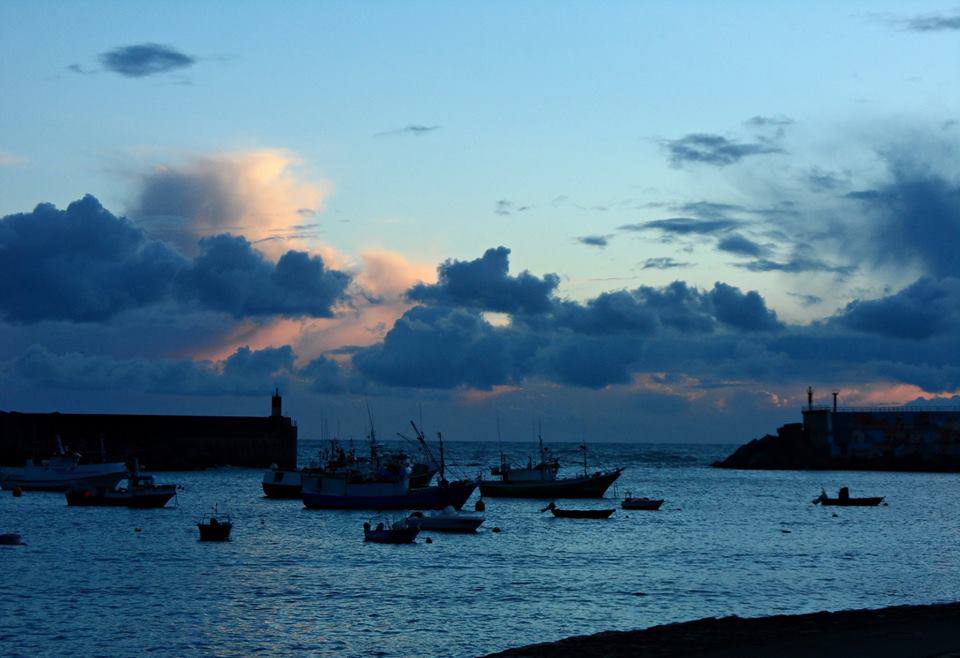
x,y
295,580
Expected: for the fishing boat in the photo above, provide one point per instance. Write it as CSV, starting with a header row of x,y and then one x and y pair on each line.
x,y
61,472
641,503
578,513
216,528
141,492
399,532
282,483
446,520
844,500
541,480
381,482
10,539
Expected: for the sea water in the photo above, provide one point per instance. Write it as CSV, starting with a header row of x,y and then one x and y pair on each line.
x,y
293,580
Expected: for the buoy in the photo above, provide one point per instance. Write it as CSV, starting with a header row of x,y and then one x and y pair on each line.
x,y
479,506
429,540
17,491
136,529
494,529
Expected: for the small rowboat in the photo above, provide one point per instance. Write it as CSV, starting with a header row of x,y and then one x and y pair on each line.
x,y
10,539
398,533
844,500
649,504
446,520
578,513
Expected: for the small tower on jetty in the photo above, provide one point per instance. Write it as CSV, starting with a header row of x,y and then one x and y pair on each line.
x,y
276,404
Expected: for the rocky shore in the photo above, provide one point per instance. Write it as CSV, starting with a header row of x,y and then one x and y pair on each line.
x,y
910,630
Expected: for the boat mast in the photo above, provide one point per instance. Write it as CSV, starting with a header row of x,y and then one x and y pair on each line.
x,y
540,439
443,463
503,461
583,446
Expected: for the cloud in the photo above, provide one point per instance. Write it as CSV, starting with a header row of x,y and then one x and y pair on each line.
x,y
84,264
741,246
245,372
444,348
415,129
485,284
926,308
143,60
705,148
230,276
796,265
8,159
778,121
745,311
620,312
257,194
662,263
683,226
807,299
594,240
81,264
932,22
505,207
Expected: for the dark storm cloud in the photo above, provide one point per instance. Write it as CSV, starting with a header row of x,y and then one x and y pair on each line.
x,y
716,150
744,311
84,264
145,59
415,129
229,275
620,312
246,372
915,216
590,362
741,246
662,263
443,348
683,226
485,284
926,308
594,240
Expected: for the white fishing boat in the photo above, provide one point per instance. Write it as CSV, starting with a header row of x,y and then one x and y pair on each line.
x,y
61,472
446,520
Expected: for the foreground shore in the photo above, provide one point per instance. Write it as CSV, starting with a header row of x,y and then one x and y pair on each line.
x,y
910,630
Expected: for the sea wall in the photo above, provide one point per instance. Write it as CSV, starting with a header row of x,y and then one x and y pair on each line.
x,y
159,442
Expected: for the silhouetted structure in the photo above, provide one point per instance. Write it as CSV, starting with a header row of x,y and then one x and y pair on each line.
x,y
862,438
159,442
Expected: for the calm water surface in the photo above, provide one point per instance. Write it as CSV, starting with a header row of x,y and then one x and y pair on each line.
x,y
299,580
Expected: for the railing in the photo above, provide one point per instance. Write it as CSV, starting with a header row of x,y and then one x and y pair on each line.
x,y
884,408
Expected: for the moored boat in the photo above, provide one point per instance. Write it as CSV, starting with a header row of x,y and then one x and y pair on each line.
x,y
10,539
541,480
61,472
399,532
446,520
282,483
641,503
216,528
578,513
844,500
141,492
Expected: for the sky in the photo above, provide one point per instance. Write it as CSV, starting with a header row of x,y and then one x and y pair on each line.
x,y
632,221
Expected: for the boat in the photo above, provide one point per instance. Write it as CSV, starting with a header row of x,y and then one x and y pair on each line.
x,y
381,482
641,503
61,472
399,532
10,539
217,528
446,520
578,513
843,499
282,483
540,480
141,492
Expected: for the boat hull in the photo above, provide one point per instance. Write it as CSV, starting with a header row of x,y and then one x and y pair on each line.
x,y
392,535
582,513
591,486
218,532
281,491
851,502
645,505
455,495
9,480
462,525
137,500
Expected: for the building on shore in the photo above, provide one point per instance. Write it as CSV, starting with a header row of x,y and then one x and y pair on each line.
x,y
922,438
159,442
